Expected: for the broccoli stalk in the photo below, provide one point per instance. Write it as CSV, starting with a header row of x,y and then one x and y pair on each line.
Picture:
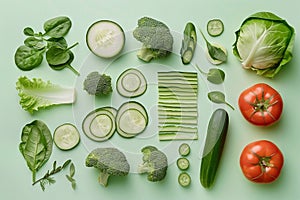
x,y
110,162
155,164
97,84
156,39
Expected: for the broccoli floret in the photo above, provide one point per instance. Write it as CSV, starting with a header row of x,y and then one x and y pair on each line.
x,y
155,164
110,161
156,38
97,84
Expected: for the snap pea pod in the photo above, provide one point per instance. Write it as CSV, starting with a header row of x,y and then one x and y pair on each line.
x,y
188,43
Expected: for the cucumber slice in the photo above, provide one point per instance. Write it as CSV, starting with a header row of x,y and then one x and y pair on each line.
x,y
105,38
215,27
183,163
131,83
99,125
66,136
184,149
184,179
131,119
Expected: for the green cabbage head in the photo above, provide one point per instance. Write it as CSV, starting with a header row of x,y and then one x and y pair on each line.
x,y
264,43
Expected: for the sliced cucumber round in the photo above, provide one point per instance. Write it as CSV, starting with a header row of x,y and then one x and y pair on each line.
x,y
184,179
66,136
131,119
105,38
184,149
131,83
215,27
99,125
183,163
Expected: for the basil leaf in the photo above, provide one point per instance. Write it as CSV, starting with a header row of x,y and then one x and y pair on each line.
x,y
27,58
57,27
219,98
36,145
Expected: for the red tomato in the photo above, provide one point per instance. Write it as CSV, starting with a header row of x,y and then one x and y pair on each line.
x,y
261,161
261,104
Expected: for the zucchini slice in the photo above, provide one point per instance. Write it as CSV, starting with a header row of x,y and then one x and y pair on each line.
x,y
183,163
213,148
131,119
131,83
66,136
105,38
215,27
99,125
184,149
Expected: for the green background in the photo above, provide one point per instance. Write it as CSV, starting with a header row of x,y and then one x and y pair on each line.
x,y
15,177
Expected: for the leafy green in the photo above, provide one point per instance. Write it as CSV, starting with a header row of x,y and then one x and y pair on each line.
x,y
264,43
218,97
215,52
52,41
36,145
36,94
214,75
48,179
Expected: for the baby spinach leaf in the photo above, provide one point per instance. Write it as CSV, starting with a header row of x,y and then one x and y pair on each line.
x,y
218,97
28,31
57,41
57,27
36,145
214,75
34,42
66,65
27,58
216,53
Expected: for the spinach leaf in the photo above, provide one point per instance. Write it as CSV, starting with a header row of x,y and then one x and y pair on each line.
x,y
214,75
218,97
57,41
57,27
36,145
27,58
34,42
216,53
28,31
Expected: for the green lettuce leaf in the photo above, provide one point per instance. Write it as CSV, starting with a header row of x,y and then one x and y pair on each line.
x,y
36,93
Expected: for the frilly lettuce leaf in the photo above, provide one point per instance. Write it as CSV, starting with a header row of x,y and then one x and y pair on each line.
x,y
36,93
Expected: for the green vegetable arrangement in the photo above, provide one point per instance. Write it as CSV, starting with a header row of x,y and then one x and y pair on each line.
x,y
264,43
52,41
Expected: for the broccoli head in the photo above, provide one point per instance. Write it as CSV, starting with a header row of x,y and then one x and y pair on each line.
x,y
110,161
155,164
156,38
97,84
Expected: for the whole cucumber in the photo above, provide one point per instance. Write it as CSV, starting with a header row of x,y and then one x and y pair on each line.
x,y
213,148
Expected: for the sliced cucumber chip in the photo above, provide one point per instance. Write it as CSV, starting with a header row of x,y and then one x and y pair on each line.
x,y
183,163
131,119
66,136
215,27
131,83
184,179
99,124
105,38
184,149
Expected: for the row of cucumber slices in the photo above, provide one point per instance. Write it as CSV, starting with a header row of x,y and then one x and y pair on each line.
x,y
128,121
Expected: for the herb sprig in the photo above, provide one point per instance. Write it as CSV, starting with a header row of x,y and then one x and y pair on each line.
x,y
48,179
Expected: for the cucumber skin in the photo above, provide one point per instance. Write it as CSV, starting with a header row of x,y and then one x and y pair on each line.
x,y
217,130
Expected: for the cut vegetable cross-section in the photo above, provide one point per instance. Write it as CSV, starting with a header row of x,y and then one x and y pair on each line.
x,y
105,38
